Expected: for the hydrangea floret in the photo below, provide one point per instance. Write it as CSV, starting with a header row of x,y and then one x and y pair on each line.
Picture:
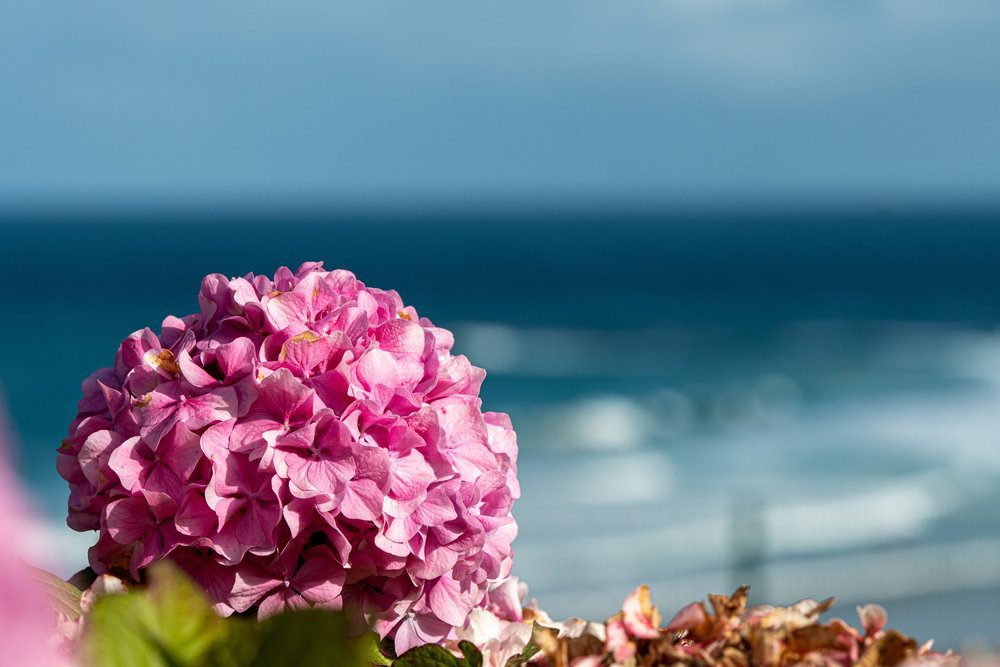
x,y
301,441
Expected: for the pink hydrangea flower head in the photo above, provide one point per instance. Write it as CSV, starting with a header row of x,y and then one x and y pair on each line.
x,y
303,440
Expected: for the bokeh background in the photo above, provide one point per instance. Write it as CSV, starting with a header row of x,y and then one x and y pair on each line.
x,y
731,267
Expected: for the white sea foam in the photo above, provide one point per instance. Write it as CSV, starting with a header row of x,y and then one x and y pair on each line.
x,y
51,545
883,489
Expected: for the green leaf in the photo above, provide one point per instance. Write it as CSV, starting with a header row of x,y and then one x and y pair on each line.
x,y
168,624
428,655
84,578
185,622
432,655
314,637
527,654
388,647
473,658
62,595
374,653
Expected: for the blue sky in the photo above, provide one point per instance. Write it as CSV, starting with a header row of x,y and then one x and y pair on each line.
x,y
505,101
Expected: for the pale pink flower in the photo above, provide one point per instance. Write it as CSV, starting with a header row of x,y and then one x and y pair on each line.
x,y
498,639
873,618
640,618
31,631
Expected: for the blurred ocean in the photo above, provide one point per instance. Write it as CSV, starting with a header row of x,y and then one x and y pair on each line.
x,y
806,399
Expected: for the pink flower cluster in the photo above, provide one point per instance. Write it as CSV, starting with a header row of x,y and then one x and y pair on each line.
x,y
301,441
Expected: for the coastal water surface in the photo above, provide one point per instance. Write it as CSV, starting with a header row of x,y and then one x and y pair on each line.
x,y
806,400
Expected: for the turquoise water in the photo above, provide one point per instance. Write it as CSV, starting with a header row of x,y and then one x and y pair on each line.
x,y
827,378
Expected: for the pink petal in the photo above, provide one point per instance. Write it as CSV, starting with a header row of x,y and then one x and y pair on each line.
x,y
451,601
362,500
134,347
128,520
159,478
283,397
333,389
181,450
873,618
214,442
156,407
461,420
401,530
320,579
438,561
688,618
401,337
409,476
420,629
250,583
200,411
617,640
214,291
307,352
456,376
640,617
195,517
236,359
126,462
380,368
149,549
192,373
285,309
283,598
391,547
506,597
472,459
254,434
